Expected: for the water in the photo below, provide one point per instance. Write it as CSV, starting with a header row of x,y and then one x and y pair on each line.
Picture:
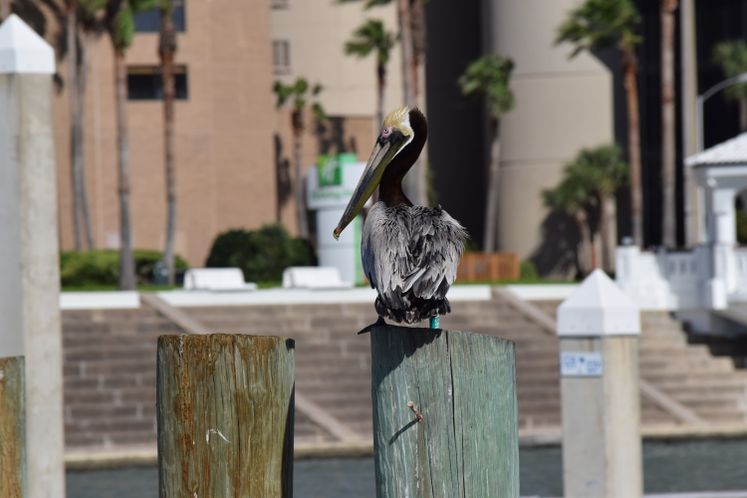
x,y
701,465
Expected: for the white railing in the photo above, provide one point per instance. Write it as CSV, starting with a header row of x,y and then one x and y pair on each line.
x,y
665,280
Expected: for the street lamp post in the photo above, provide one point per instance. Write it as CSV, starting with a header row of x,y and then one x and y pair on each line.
x,y
740,78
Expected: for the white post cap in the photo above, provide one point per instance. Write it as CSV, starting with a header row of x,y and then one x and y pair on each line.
x,y
598,308
22,51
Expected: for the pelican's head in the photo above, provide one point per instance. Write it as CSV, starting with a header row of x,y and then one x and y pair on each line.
x,y
396,133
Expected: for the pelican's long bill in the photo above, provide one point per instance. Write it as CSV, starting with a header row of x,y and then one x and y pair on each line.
x,y
382,154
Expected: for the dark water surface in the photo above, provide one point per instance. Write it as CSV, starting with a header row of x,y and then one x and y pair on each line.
x,y
702,465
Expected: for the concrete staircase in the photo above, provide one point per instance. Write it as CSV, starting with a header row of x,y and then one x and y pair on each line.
x,y
109,375
110,369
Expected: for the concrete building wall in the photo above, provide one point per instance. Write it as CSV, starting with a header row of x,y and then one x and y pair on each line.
x,y
561,105
316,32
223,133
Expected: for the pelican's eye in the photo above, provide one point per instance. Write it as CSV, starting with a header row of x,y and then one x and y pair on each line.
x,y
386,132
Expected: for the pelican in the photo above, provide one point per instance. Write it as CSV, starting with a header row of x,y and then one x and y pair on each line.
x,y
410,253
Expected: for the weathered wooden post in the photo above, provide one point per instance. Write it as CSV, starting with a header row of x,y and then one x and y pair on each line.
x,y
12,429
29,271
444,413
598,327
225,416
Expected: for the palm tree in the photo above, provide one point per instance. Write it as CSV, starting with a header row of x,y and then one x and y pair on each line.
x,y
488,76
667,120
372,36
77,26
411,23
166,50
587,191
731,56
570,197
297,95
600,24
602,171
120,24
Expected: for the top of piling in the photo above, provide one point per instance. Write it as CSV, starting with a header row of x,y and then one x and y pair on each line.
x,y
22,51
598,308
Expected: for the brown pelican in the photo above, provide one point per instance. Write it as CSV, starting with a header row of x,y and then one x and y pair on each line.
x,y
410,253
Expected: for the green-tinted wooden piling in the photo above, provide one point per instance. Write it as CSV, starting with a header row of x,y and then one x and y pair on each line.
x,y
12,428
225,416
464,386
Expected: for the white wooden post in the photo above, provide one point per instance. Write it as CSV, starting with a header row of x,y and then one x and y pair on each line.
x,y
29,271
598,327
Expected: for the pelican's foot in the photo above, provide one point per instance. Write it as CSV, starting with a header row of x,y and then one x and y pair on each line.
x,y
368,328
436,322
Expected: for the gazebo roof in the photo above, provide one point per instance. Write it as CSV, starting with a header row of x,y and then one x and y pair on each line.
x,y
733,151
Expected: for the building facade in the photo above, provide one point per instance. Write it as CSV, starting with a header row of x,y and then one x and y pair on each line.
x,y
234,149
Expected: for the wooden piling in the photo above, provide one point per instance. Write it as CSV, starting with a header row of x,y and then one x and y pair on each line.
x,y
12,428
462,387
225,416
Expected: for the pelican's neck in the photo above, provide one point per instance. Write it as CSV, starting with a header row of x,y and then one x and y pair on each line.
x,y
390,188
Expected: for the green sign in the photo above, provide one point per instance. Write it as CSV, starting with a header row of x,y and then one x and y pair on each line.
x,y
329,169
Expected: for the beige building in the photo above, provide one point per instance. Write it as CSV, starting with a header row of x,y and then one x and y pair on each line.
x,y
223,132
561,106
233,148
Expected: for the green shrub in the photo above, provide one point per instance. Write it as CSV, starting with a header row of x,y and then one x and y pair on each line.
x,y
527,270
101,267
261,254
741,227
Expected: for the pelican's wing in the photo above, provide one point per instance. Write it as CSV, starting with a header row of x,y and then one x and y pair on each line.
x,y
436,245
385,252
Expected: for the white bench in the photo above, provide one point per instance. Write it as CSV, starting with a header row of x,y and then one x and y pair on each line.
x,y
217,279
313,277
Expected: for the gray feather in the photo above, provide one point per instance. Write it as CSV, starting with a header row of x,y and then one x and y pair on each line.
x,y
410,256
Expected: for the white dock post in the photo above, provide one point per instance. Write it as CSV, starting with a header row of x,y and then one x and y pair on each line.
x,y
598,327
29,271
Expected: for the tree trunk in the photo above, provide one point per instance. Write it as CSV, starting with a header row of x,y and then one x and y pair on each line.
x,y
585,249
126,259
81,82
75,121
303,227
408,56
381,84
606,208
76,93
634,146
667,122
167,47
743,114
414,182
491,203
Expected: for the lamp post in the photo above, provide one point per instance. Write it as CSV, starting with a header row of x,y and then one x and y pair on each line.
x,y
740,78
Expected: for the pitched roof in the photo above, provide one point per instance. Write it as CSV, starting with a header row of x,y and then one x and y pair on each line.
x,y
733,151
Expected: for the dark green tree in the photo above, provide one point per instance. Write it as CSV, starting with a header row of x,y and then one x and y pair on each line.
x,y
587,193
299,96
167,46
372,37
489,77
731,57
598,24
118,18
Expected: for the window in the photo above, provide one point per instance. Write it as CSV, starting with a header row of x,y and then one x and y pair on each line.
x,y
280,4
149,21
281,56
144,83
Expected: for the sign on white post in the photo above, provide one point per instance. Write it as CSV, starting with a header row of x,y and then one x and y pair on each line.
x,y
573,364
